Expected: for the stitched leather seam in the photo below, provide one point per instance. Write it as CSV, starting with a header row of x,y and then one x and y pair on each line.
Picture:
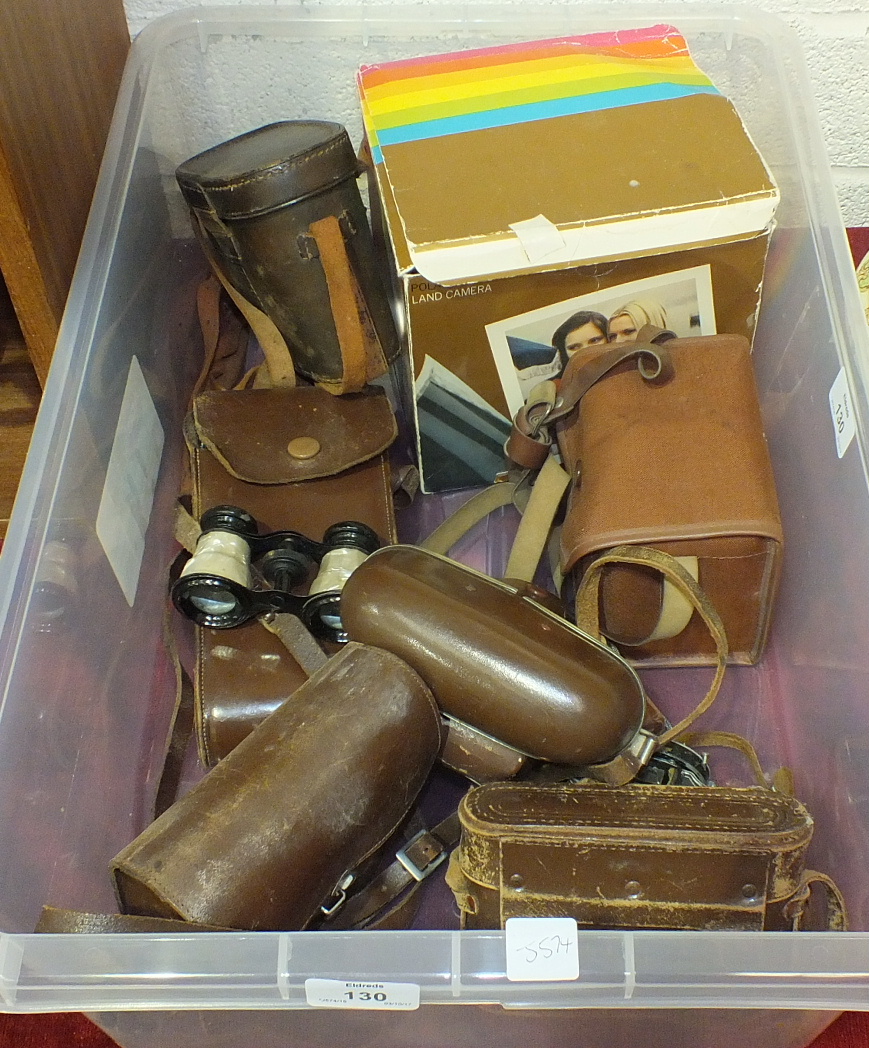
x,y
386,479
279,169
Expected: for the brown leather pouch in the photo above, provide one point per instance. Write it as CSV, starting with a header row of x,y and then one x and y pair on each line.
x,y
294,458
496,659
665,447
637,856
264,839
682,466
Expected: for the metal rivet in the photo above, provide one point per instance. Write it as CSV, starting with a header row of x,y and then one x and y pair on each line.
x,y
303,447
749,892
517,880
633,889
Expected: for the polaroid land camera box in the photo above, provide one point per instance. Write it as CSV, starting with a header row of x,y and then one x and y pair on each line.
x,y
577,186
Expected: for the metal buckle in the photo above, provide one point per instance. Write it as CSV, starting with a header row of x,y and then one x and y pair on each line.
x,y
339,894
419,873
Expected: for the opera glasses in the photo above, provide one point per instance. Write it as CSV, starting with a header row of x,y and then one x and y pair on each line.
x,y
236,574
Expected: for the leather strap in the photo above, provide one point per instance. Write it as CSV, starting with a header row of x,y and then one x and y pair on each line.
x,y
588,613
56,921
531,436
676,609
362,354
385,901
278,358
297,639
782,780
478,506
534,527
224,337
181,725
836,910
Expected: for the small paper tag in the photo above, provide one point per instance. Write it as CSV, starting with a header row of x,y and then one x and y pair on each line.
x,y
542,949
384,996
844,423
131,480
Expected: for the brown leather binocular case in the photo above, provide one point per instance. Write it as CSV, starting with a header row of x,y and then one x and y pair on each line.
x,y
297,459
638,856
273,837
280,217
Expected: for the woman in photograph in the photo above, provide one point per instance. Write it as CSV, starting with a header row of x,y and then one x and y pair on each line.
x,y
625,323
581,330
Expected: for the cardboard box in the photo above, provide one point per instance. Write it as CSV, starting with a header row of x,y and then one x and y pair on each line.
x,y
521,185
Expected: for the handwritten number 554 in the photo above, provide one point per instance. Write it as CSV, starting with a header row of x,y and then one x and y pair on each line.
x,y
544,948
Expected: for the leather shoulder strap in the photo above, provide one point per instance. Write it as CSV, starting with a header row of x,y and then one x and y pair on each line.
x,y
588,613
550,402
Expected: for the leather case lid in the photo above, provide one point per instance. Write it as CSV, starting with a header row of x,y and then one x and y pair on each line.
x,y
301,433
684,460
274,165
715,817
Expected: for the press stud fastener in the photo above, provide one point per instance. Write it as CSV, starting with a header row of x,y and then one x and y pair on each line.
x,y
303,447
633,889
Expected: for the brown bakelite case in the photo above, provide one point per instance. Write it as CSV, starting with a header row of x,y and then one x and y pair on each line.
x,y
494,658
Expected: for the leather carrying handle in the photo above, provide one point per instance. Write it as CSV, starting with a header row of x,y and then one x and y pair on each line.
x,y
361,350
588,613
836,910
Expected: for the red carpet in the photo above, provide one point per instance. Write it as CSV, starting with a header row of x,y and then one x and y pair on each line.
x,y
851,1030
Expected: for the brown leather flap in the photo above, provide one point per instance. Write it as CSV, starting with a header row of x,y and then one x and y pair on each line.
x,y
299,434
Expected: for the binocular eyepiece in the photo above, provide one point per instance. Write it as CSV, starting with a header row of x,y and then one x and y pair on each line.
x,y
216,588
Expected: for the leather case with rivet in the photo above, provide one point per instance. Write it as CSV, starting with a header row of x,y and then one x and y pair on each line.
x,y
638,856
495,659
298,459
316,790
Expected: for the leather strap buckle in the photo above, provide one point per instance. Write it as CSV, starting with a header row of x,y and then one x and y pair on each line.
x,y
339,895
422,855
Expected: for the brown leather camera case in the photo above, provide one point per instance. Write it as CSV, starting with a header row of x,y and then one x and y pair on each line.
x,y
635,856
682,466
244,451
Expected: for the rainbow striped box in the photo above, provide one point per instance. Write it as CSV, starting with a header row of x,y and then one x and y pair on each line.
x,y
516,177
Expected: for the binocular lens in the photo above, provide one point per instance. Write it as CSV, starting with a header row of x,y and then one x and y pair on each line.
x,y
213,603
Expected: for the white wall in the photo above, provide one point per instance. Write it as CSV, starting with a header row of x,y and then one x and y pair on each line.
x,y
835,38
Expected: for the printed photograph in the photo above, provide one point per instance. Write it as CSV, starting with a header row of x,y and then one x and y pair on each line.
x,y
532,347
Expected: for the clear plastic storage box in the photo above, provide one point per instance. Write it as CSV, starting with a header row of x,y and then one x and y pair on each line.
x,y
87,689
